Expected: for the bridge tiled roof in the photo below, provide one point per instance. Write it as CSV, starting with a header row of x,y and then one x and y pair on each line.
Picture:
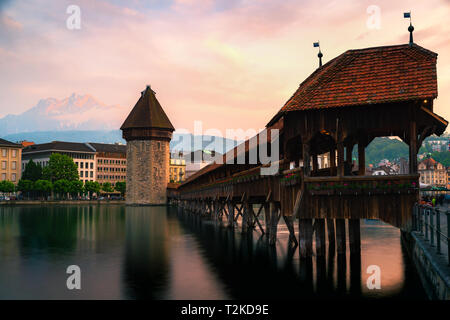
x,y
368,76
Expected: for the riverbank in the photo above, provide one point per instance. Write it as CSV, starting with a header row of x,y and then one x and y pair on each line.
x,y
58,202
433,268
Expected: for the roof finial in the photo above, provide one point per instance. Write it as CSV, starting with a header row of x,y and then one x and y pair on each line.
x,y
320,55
410,28
149,88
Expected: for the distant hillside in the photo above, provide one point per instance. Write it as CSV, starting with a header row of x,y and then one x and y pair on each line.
x,y
69,135
180,142
393,149
385,148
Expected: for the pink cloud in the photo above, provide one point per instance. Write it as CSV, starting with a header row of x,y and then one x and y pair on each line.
x,y
228,68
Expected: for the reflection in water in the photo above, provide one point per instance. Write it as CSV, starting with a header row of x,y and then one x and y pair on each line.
x,y
146,254
165,253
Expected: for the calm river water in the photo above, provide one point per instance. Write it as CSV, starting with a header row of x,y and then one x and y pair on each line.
x,y
159,253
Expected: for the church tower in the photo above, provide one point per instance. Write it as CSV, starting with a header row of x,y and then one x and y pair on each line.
x,y
148,132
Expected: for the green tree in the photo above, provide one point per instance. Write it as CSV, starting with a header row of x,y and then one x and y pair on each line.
x,y
121,187
25,186
106,187
33,171
92,187
43,187
75,187
61,187
60,167
7,186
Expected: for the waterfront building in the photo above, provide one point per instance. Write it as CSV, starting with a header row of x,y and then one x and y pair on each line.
x,y
433,173
148,132
10,161
82,154
177,168
110,162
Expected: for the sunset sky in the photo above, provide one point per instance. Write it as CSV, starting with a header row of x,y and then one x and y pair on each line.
x,y
228,63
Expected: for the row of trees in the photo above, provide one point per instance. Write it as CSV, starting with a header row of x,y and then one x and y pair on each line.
x,y
59,177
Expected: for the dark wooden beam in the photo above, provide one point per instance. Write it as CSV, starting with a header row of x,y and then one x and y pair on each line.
x,y
361,158
306,159
340,159
413,147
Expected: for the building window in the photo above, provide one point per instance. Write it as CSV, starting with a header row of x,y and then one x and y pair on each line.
x,y
92,165
13,165
4,152
3,176
86,174
13,177
4,165
81,165
92,174
14,153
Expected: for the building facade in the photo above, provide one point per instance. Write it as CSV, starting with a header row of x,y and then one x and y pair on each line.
x,y
10,161
111,162
148,132
432,173
177,168
82,154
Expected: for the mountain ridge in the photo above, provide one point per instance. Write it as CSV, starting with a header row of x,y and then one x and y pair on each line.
x,y
76,112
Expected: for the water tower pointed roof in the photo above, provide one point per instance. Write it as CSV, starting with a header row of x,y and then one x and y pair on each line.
x,y
147,113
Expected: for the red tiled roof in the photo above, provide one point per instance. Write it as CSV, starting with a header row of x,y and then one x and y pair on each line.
x,y
368,76
429,162
233,154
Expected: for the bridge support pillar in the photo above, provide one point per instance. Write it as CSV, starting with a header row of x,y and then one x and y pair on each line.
x,y
330,231
230,214
245,216
290,225
340,236
354,233
273,223
305,233
319,226
215,210
267,218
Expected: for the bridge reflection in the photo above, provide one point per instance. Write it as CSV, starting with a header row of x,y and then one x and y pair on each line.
x,y
251,268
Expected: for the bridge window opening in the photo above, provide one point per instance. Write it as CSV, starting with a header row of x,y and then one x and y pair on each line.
x,y
387,155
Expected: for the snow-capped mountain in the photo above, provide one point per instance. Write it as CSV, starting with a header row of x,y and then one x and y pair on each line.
x,y
77,112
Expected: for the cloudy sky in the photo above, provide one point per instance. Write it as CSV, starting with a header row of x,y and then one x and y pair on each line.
x,y
229,63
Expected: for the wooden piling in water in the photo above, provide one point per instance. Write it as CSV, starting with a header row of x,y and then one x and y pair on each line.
x,y
245,214
230,214
340,236
319,228
267,215
305,233
354,232
289,220
330,231
274,208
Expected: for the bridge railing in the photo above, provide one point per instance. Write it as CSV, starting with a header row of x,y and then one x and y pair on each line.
x,y
433,224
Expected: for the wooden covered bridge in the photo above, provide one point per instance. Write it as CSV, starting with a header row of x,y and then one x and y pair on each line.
x,y
355,97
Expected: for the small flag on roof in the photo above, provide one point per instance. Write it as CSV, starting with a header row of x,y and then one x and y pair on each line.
x,y
407,15
316,44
